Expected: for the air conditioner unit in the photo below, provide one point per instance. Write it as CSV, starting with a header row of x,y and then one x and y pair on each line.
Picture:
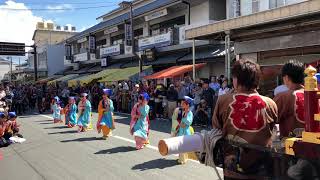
x,y
66,28
40,25
58,28
50,26
73,28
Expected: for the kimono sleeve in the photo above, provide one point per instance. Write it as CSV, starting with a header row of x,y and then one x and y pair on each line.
x,y
111,106
188,119
100,108
88,105
74,108
145,111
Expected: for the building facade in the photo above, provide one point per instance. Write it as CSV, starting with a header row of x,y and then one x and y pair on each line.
x,y
50,42
159,36
269,32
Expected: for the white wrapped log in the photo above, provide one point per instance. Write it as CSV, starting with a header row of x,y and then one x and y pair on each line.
x,y
180,144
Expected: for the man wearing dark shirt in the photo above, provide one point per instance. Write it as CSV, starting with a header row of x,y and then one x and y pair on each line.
x,y
172,97
208,96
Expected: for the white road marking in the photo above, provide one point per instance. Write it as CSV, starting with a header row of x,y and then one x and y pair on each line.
x,y
133,142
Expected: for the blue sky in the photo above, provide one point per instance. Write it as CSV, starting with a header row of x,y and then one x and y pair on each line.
x,y
81,18
18,17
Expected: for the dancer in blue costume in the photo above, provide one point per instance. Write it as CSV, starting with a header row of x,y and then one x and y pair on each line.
x,y
56,110
105,119
84,118
184,128
71,113
140,125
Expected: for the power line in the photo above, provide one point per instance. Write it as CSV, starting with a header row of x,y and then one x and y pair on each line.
x,y
62,3
57,9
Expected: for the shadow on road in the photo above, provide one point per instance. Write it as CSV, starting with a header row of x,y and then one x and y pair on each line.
x,y
65,132
122,149
155,125
46,122
57,127
155,164
81,139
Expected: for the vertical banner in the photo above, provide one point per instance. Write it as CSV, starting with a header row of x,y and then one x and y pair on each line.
x,y
92,43
128,34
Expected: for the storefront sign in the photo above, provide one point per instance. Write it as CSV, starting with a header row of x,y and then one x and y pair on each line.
x,y
111,30
92,56
82,40
104,62
110,51
156,15
81,57
128,50
155,41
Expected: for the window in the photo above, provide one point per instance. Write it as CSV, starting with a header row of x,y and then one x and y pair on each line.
x,y
119,39
255,6
277,3
245,7
166,26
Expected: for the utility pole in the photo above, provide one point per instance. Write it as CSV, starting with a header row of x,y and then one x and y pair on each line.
x,y
129,4
10,68
35,62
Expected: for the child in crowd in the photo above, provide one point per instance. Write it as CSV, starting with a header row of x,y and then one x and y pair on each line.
x,y
13,127
71,113
56,110
3,129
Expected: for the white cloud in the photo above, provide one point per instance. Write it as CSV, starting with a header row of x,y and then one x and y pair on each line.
x,y
59,8
17,25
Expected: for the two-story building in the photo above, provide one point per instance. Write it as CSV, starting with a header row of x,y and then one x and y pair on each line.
x,y
270,32
50,41
159,37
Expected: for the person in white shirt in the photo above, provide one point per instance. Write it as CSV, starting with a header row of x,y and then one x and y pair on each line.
x,y
280,89
224,88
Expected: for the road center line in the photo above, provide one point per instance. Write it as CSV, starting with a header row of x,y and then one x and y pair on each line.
x,y
128,140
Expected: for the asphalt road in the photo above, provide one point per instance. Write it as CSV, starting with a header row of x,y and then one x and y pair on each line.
x,y
55,152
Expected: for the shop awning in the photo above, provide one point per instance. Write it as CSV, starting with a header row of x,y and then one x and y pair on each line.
x,y
174,71
89,78
45,80
63,78
206,53
123,74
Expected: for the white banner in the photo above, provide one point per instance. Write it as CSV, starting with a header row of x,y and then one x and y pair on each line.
x,y
155,41
104,62
112,50
111,30
81,57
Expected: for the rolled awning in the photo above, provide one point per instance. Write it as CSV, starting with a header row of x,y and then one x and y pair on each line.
x,y
63,78
174,71
45,80
89,78
123,74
